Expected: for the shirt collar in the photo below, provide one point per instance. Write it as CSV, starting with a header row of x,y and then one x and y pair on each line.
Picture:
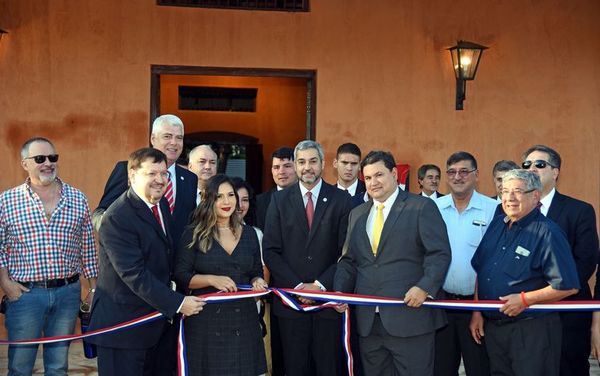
x,y
475,202
389,201
433,195
533,215
315,191
63,191
547,200
351,189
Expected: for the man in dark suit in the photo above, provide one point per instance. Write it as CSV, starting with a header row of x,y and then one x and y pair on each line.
x,y
304,234
500,168
167,136
397,247
578,220
428,176
135,260
284,175
347,164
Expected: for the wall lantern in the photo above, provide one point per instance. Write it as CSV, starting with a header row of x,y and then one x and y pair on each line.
x,y
465,60
2,32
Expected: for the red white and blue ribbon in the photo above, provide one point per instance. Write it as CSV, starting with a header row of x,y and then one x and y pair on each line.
x,y
329,299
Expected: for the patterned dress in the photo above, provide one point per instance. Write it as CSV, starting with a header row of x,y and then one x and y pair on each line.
x,y
225,338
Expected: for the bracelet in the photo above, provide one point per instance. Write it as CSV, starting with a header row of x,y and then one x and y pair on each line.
x,y
523,299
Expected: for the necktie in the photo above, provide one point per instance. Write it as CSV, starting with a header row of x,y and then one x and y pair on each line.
x,y
169,196
157,216
310,209
377,228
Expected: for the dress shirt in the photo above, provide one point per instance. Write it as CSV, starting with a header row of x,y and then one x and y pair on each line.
x,y
465,231
198,196
387,207
315,193
433,195
351,189
527,255
34,248
546,201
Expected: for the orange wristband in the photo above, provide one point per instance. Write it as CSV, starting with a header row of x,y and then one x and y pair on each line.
x,y
523,299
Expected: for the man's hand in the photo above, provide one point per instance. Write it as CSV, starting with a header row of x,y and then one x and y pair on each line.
x,y
259,284
192,305
13,289
513,305
341,308
223,283
415,297
476,326
310,287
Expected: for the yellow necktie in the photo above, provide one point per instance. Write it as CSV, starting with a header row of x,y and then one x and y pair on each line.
x,y
377,228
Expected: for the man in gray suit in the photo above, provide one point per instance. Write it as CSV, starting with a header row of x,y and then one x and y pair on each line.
x,y
396,246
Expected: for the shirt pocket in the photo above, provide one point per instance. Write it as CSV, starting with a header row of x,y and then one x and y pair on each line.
x,y
515,267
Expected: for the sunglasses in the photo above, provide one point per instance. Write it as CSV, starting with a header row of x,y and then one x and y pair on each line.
x,y
39,159
539,163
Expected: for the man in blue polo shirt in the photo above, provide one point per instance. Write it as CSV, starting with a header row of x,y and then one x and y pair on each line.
x,y
523,259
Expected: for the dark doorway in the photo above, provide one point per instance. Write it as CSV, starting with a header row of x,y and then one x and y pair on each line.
x,y
242,139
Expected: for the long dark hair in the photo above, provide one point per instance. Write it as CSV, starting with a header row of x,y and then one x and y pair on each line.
x,y
204,219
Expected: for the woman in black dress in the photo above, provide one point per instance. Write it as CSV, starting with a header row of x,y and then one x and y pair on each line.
x,y
217,253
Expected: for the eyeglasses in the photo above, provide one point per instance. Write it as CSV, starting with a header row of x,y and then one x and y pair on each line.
x,y
463,173
516,192
539,163
163,175
39,159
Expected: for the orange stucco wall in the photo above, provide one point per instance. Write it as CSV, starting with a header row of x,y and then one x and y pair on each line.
x,y
279,119
79,73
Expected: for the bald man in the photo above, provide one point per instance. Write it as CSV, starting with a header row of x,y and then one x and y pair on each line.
x,y
203,163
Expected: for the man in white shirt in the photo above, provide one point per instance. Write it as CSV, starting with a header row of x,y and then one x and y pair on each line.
x,y
467,215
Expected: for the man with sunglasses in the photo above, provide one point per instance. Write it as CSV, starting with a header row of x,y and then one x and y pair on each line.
x,y
467,215
46,242
578,220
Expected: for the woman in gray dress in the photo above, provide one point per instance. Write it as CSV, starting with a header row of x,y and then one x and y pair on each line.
x,y
217,253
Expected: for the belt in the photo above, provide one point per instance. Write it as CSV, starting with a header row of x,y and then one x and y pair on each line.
x,y
451,296
51,283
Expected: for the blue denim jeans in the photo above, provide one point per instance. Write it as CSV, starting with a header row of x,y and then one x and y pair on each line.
x,y
39,313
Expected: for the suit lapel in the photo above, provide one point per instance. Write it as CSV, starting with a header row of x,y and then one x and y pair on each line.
x,y
321,203
556,206
180,189
361,226
145,214
391,219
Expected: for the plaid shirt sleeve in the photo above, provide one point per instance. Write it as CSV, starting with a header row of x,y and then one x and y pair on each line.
x,y
88,244
3,240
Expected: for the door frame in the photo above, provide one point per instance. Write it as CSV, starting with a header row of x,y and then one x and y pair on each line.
x,y
309,74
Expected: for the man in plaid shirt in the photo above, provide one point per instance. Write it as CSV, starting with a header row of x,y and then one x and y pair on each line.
x,y
46,241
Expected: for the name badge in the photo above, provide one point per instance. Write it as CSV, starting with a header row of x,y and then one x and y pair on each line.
x,y
522,251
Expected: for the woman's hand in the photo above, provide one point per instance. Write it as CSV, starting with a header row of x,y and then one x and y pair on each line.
x,y
259,284
223,283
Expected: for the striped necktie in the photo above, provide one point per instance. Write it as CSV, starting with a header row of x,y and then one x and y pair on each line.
x,y
377,228
169,196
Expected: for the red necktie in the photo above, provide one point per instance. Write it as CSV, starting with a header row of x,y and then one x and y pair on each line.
x,y
169,196
157,216
310,209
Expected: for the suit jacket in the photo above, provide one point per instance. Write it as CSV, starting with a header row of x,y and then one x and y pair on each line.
x,y
262,204
578,220
185,196
135,264
295,254
361,188
413,251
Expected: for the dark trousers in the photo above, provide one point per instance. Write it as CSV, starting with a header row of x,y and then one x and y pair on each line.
x,y
386,355
312,345
528,347
454,341
277,364
159,360
576,343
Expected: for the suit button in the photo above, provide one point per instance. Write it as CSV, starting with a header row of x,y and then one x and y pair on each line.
x,y
376,266
218,334
237,333
237,309
218,310
309,258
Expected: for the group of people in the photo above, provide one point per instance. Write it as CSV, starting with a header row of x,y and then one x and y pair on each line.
x,y
168,233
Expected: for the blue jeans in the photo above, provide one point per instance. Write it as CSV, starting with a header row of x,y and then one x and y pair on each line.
x,y
42,313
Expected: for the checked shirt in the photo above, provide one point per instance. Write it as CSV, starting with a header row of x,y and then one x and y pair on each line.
x,y
34,248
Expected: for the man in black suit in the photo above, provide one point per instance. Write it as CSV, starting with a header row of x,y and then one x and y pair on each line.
x,y
135,258
347,164
284,175
396,246
167,136
428,176
500,168
578,220
203,163
304,234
